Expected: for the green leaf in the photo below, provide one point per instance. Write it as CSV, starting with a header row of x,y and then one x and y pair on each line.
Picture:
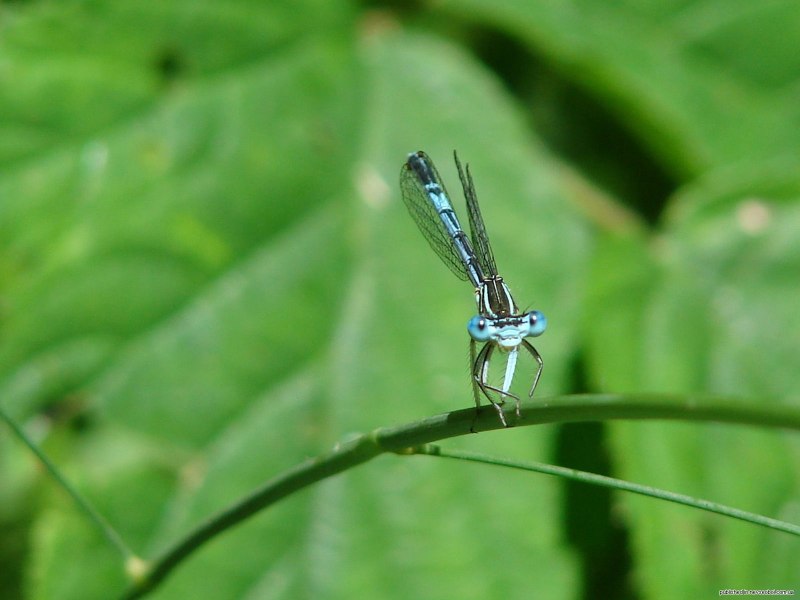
x,y
715,312
207,275
703,84
226,304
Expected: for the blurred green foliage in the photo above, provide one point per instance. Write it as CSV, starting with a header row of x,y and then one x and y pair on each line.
x,y
206,275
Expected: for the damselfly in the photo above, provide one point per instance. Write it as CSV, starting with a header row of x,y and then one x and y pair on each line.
x,y
498,324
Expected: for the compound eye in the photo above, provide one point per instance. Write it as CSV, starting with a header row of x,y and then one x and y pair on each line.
x,y
479,329
537,323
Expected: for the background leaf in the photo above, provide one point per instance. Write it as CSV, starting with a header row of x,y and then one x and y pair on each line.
x,y
207,275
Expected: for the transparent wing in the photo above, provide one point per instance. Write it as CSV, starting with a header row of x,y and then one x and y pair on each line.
x,y
424,213
480,241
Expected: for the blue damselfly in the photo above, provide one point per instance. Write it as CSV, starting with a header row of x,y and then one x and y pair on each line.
x,y
498,324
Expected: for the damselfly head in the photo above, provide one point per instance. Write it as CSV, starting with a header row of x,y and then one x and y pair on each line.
x,y
507,332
